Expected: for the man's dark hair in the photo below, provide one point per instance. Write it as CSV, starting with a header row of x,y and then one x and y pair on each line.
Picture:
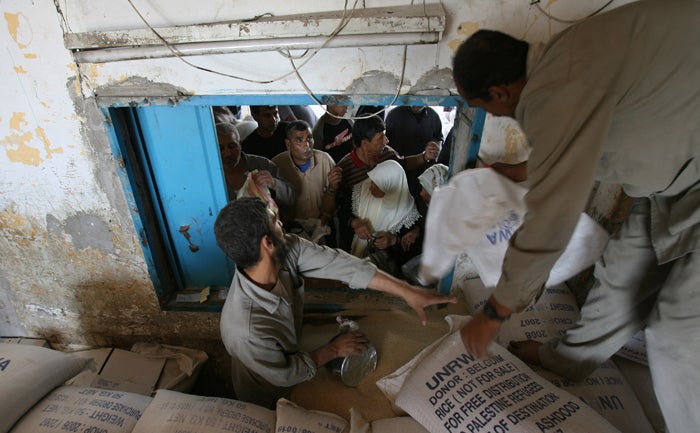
x,y
255,109
239,227
296,125
366,129
488,58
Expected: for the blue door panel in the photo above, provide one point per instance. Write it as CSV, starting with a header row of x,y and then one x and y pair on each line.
x,y
183,157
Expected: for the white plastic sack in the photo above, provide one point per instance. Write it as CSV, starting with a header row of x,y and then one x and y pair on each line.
x,y
451,391
477,212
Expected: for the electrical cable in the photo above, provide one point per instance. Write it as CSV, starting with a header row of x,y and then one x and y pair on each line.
x,y
396,95
82,78
341,25
179,55
344,20
537,5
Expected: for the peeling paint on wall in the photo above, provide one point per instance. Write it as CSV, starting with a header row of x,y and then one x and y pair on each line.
x,y
89,231
92,285
19,29
140,87
24,152
374,82
10,324
466,28
436,79
17,121
15,227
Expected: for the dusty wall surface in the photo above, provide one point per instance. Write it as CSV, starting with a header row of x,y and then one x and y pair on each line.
x,y
72,269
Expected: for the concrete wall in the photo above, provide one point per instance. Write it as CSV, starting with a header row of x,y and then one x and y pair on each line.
x,y
72,269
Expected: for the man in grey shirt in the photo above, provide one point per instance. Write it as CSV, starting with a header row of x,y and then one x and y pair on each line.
x,y
262,318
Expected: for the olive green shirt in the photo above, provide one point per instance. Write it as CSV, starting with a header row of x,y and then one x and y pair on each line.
x,y
615,98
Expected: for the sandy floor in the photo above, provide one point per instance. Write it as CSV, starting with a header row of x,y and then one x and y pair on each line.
x,y
397,336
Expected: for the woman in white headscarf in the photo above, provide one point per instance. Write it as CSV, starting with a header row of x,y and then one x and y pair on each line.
x,y
432,177
385,207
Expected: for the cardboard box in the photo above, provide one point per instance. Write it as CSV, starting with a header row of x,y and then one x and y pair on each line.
x,y
121,370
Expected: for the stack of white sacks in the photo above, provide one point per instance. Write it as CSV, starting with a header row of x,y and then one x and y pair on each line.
x,y
442,389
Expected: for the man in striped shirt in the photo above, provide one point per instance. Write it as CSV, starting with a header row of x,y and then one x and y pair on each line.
x,y
370,148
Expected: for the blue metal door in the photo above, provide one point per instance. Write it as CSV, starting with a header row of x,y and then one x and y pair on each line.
x,y
182,155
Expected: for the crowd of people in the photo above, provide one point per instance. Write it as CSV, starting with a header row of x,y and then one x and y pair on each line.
x,y
337,182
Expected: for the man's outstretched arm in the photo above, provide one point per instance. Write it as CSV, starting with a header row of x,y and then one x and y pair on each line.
x,y
416,297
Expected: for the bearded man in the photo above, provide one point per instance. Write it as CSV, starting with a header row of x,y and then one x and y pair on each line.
x,y
261,320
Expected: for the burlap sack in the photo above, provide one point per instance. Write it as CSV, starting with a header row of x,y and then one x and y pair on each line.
x,y
608,392
85,410
605,390
451,391
293,418
172,412
391,384
639,378
401,424
27,374
635,349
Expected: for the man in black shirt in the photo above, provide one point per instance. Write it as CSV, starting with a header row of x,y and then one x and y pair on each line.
x,y
268,139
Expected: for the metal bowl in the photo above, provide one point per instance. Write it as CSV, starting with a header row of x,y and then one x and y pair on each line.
x,y
353,368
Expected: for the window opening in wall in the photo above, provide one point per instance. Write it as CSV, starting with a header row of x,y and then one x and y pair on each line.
x,y
173,174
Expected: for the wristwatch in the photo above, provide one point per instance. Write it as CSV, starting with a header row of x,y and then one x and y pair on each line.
x,y
491,313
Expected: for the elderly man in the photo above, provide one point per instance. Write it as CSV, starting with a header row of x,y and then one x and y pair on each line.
x,y
237,165
614,98
261,320
312,173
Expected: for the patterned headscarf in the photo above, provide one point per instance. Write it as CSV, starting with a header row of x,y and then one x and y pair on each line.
x,y
433,177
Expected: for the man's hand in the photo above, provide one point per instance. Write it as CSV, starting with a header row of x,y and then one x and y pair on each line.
x,y
481,330
335,175
264,178
478,333
528,351
351,343
409,239
417,298
384,240
339,139
432,150
361,228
